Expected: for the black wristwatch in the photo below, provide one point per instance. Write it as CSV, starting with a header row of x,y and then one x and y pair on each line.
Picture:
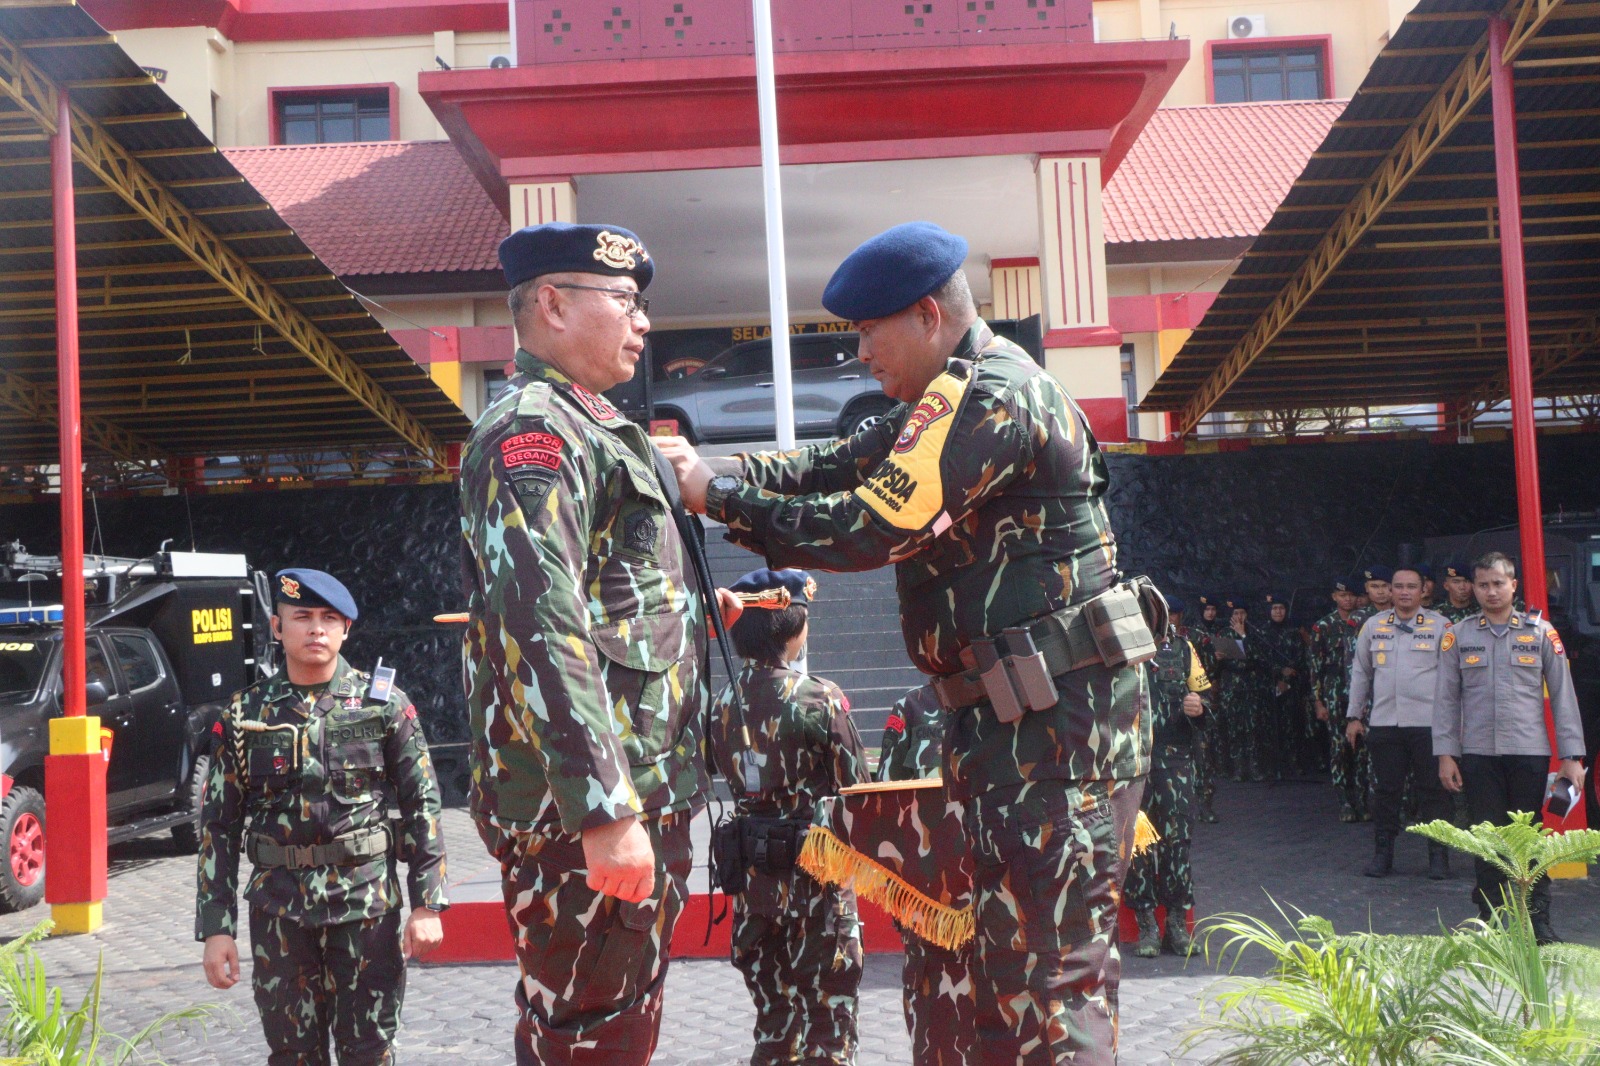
x,y
436,908
717,492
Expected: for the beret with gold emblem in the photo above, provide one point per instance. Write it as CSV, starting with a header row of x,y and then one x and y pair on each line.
x,y
313,588
570,248
756,588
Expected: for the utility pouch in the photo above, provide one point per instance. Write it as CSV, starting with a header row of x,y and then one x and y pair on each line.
x,y
1117,623
996,680
272,754
729,870
1030,676
771,845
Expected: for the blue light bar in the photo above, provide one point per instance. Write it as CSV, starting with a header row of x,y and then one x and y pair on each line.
x,y
16,616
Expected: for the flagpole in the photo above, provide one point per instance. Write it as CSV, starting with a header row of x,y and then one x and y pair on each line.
x,y
772,188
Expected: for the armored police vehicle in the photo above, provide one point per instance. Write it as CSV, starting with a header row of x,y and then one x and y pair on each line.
x,y
169,639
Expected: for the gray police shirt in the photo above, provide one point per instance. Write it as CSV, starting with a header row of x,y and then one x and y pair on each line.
x,y
1491,688
1396,666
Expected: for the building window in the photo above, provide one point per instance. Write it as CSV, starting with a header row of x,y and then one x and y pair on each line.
x,y
327,116
1130,390
1240,75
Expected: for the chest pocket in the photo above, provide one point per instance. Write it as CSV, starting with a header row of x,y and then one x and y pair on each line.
x,y
640,653
353,753
1474,665
639,518
272,759
1382,651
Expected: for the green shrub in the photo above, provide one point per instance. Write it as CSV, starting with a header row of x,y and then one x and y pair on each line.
x,y
38,1030
1483,993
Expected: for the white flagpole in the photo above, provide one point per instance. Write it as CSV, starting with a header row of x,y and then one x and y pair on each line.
x,y
772,186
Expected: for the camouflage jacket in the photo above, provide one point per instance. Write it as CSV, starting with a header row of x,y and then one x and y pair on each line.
x,y
1456,614
913,737
1283,649
1332,641
1174,673
355,756
988,494
585,645
786,742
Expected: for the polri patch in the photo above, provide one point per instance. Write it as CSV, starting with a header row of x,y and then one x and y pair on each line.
x,y
640,533
929,409
1448,642
1555,642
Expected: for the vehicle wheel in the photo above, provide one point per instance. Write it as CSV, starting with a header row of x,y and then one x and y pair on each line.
x,y
863,414
685,430
22,831
187,834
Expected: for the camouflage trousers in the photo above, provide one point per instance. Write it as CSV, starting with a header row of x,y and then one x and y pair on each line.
x,y
940,1003
593,967
347,979
1162,875
1049,858
802,966
1205,761
1352,770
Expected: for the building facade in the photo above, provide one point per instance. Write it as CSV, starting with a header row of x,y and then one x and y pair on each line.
x,y
1108,161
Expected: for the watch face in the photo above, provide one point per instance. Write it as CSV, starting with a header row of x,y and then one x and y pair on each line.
x,y
725,483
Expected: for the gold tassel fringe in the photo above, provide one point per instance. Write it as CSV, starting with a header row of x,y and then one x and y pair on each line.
x,y
1144,834
833,862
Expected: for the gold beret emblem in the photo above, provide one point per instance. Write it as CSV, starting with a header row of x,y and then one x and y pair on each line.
x,y
619,252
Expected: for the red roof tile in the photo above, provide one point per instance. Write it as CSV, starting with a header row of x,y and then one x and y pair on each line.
x,y
386,207
1216,171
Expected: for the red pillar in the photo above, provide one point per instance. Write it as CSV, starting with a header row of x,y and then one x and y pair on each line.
x,y
1513,276
75,770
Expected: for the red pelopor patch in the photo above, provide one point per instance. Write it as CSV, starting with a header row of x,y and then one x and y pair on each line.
x,y
216,728
532,449
895,724
595,405
929,409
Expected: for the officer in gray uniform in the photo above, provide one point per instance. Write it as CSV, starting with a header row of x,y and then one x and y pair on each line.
x,y
1489,727
1392,681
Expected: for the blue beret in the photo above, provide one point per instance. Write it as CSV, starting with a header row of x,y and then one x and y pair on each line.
x,y
801,585
893,270
1273,597
1458,568
1208,599
1238,603
564,247
1377,573
313,588
1175,603
1345,584
1423,570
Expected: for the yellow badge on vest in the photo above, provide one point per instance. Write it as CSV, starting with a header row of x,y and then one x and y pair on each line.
x,y
907,488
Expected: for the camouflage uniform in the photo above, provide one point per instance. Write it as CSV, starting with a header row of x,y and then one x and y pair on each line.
x,y
784,743
1284,743
1453,614
989,496
938,994
1161,876
1332,643
325,938
1244,706
585,686
1206,745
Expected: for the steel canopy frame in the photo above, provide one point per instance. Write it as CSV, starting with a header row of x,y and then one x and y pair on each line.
x,y
1445,110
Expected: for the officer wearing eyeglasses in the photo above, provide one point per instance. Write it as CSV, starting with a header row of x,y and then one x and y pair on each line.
x,y
585,637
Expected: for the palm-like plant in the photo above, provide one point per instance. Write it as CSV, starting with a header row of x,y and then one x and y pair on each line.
x,y
38,1030
1484,993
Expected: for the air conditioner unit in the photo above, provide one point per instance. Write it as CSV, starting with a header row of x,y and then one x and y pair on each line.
x,y
1241,26
499,62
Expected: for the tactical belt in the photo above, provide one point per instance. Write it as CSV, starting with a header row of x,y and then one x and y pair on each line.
x,y
351,849
1015,670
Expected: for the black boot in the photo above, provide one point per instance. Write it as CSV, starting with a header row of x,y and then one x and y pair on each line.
x,y
1178,941
1438,862
1382,864
1149,945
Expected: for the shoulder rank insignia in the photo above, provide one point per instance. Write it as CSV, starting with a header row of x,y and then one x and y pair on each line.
x,y
598,406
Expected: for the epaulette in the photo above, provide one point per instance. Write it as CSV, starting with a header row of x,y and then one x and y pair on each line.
x,y
535,399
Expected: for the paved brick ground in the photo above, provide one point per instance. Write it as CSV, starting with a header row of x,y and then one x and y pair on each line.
x,y
1281,841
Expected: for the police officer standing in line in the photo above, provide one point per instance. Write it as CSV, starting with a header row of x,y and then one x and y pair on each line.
x,y
1489,728
987,489
784,740
306,763
583,657
1459,601
937,994
1332,644
1395,666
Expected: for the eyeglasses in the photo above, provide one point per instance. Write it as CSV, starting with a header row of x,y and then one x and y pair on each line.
x,y
632,302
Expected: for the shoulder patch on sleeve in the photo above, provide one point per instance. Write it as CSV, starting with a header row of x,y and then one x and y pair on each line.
x,y
906,490
895,724
1449,640
1555,641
